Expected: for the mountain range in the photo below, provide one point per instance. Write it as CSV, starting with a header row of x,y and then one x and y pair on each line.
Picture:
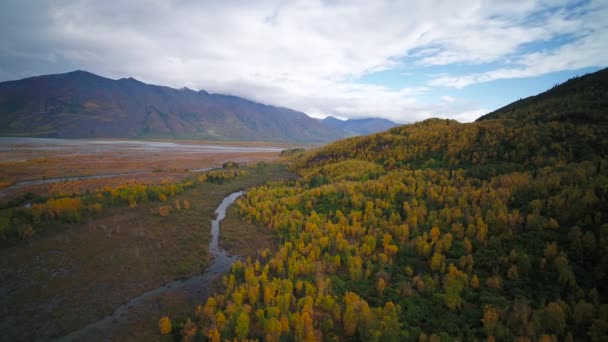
x,y
355,127
80,104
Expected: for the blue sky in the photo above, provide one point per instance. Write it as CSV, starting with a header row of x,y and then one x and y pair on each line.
x,y
490,95
401,60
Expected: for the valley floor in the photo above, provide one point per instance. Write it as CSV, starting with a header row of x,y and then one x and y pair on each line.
x,y
71,275
42,166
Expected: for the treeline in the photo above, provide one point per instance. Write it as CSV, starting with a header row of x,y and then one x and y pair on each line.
x,y
21,221
221,175
494,230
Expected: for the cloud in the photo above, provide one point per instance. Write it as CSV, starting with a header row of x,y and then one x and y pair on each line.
x,y
307,55
589,49
467,116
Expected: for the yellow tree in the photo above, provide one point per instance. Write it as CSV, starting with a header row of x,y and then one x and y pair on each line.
x,y
436,261
349,318
435,233
242,325
164,325
381,285
482,230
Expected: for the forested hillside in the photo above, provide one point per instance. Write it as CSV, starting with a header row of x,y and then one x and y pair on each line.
x,y
579,99
433,231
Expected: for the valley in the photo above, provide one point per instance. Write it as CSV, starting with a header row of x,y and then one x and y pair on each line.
x,y
70,274
304,171
496,226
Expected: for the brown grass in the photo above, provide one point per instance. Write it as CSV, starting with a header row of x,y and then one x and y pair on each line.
x,y
242,238
30,162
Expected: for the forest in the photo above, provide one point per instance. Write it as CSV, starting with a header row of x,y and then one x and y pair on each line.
x,y
495,230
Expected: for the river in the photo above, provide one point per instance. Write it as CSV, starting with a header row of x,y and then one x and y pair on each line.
x,y
196,287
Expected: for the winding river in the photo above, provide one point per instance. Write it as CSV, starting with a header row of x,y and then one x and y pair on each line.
x,y
196,287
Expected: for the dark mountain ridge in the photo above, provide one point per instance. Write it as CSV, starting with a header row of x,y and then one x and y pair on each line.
x,y
580,99
359,126
80,104
566,123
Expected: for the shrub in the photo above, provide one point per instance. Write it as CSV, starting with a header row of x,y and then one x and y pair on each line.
x,y
164,325
164,210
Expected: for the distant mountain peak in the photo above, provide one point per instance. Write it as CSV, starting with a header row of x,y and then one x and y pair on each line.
x,y
359,126
332,118
131,80
80,72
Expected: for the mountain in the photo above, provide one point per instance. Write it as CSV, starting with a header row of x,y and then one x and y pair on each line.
x,y
581,99
359,126
80,104
494,230
567,122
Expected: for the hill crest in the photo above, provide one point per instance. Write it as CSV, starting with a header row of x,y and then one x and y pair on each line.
x,y
580,99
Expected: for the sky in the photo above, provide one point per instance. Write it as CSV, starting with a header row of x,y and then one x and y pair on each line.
x,y
400,60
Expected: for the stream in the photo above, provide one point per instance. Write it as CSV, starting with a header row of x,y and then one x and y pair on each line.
x,y
195,287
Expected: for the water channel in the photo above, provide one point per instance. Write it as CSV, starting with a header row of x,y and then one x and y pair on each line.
x,y
196,287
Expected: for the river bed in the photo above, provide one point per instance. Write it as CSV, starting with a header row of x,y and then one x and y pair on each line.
x,y
45,166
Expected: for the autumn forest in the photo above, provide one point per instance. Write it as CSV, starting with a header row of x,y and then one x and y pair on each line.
x,y
494,230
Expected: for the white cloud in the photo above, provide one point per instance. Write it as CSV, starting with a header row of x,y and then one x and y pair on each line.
x,y
300,54
467,116
590,49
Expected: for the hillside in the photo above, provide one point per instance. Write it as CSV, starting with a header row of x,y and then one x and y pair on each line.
x,y
356,127
83,105
564,124
581,99
494,230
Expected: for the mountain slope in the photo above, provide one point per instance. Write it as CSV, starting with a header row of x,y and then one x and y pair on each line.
x,y
83,105
567,123
359,126
581,99
493,230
